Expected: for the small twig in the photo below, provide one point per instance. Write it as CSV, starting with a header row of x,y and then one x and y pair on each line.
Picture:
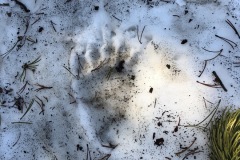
x,y
100,65
204,67
44,148
205,100
237,64
176,15
27,25
117,18
176,128
71,72
213,112
88,153
36,21
110,146
17,140
205,61
23,88
211,51
4,4
74,101
45,98
209,85
52,23
233,27
165,1
55,157
40,13
219,81
67,1
231,43
21,122
105,157
41,87
155,102
140,38
41,104
180,152
191,153
22,6
31,40
9,51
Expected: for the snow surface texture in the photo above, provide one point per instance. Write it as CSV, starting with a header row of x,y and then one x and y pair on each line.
x,y
123,77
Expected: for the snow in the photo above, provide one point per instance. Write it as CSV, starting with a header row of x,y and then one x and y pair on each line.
x,y
122,76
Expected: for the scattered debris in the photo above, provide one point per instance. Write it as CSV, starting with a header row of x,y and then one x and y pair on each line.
x,y
19,102
96,8
40,29
151,90
168,66
120,66
79,148
159,142
154,135
184,41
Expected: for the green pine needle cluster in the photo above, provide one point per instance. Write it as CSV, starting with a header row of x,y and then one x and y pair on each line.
x,y
225,136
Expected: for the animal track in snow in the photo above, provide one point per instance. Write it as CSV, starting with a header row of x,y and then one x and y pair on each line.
x,y
113,76
104,81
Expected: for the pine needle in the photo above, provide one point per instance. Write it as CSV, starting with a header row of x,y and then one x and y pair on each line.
x,y
29,107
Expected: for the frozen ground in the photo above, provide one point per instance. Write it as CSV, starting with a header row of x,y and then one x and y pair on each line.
x,y
115,79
